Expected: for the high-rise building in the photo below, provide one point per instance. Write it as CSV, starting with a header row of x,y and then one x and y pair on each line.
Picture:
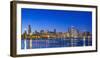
x,y
54,30
29,29
86,34
24,35
29,34
74,33
36,32
41,31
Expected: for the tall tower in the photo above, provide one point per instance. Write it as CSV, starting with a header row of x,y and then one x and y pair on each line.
x,y
54,30
29,29
29,33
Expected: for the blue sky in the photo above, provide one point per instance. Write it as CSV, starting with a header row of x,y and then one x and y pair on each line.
x,y
61,20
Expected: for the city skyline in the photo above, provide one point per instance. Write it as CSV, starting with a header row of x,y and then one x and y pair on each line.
x,y
43,19
72,33
29,30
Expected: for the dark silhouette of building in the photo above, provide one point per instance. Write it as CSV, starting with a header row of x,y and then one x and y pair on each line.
x,y
36,32
29,29
41,31
24,35
54,30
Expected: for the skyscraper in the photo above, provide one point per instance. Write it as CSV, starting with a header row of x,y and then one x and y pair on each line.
x,y
54,30
74,33
29,29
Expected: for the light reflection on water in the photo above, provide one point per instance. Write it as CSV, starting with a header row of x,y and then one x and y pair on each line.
x,y
53,43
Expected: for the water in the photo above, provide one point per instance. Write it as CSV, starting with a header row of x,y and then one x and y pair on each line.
x,y
54,43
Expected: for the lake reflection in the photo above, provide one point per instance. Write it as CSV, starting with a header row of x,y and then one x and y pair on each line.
x,y
54,43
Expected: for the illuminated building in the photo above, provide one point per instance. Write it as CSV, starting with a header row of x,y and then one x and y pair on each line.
x,y
74,33
87,34
71,33
24,35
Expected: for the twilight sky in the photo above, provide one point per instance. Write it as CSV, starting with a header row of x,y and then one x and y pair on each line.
x,y
61,20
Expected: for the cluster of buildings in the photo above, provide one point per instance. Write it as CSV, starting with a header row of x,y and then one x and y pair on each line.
x,y
72,32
